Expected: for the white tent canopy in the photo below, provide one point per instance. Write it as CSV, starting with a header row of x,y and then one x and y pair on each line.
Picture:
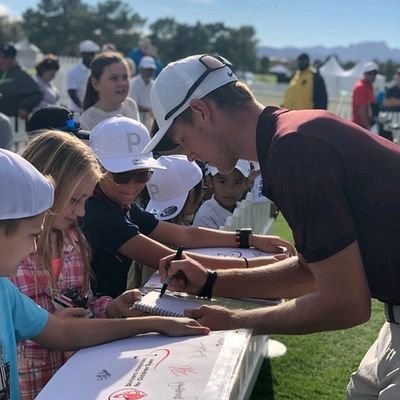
x,y
340,82
27,53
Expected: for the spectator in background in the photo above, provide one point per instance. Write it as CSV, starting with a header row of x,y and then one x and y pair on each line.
x,y
363,96
6,134
306,88
78,75
228,190
131,67
19,93
107,91
46,71
391,102
140,89
145,49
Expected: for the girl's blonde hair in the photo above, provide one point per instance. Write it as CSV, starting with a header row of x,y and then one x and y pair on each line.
x,y
69,162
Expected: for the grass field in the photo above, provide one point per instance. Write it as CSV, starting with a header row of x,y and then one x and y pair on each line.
x,y
316,366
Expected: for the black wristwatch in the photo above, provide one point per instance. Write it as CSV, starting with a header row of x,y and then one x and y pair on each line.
x,y
206,290
242,237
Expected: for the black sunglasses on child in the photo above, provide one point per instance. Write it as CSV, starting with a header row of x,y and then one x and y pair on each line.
x,y
138,176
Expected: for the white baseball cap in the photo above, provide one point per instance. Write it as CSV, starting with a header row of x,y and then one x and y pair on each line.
x,y
201,73
169,188
25,192
243,166
147,62
370,66
118,143
88,46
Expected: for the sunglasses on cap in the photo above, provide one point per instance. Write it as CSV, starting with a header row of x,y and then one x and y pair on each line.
x,y
211,63
138,176
73,126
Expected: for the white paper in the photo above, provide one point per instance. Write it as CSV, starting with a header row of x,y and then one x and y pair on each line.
x,y
152,367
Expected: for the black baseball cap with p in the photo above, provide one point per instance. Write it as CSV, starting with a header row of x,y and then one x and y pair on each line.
x,y
178,84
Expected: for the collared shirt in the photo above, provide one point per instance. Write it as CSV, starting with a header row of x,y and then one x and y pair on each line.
x,y
335,183
76,79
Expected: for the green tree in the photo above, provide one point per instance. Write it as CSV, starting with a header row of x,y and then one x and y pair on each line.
x,y
10,29
57,26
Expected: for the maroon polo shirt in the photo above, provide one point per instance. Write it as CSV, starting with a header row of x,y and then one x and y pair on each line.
x,y
335,183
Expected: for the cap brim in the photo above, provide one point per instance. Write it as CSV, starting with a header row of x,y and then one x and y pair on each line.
x,y
122,164
165,210
155,142
81,134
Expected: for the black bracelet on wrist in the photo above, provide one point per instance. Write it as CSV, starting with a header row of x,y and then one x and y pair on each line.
x,y
206,290
242,237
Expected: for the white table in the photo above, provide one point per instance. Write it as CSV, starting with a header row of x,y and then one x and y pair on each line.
x,y
221,366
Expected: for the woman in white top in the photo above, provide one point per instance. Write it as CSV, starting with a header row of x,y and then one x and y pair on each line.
x,y
46,70
107,90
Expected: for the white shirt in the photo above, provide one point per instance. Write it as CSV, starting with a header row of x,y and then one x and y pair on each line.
x,y
140,91
93,115
76,79
211,214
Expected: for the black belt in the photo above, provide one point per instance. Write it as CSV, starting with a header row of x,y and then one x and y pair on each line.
x,y
392,313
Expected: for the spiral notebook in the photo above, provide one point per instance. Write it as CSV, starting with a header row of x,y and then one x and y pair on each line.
x,y
167,305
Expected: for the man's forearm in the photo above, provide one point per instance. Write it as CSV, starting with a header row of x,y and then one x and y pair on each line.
x,y
283,279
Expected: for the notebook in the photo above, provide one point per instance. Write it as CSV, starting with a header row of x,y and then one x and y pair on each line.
x,y
167,305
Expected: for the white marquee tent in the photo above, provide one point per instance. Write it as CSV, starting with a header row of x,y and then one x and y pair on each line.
x,y
339,82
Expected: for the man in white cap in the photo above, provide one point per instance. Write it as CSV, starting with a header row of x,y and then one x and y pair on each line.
x,y
140,89
335,183
363,96
77,76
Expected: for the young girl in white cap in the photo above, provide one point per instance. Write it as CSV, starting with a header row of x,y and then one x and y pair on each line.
x,y
25,196
119,231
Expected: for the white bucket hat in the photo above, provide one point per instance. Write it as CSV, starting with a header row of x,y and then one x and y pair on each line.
x,y
25,192
169,188
201,73
243,166
118,143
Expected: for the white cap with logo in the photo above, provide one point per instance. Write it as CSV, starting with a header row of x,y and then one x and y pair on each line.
x,y
118,143
169,188
243,166
25,192
201,73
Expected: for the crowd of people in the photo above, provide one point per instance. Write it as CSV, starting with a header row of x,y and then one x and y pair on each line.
x,y
96,203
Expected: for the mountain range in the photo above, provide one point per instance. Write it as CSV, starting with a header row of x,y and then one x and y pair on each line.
x,y
378,51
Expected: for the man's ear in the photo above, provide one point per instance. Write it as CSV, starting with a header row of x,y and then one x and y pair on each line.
x,y
200,109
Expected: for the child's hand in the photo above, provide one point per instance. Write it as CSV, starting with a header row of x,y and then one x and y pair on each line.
x,y
121,306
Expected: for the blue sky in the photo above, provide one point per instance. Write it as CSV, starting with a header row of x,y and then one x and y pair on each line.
x,y
277,23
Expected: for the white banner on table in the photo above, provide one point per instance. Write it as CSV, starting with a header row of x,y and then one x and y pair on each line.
x,y
153,367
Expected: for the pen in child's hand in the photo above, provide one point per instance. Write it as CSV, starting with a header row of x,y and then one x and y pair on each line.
x,y
178,255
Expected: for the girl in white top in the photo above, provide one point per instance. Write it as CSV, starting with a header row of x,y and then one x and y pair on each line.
x,y
107,90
